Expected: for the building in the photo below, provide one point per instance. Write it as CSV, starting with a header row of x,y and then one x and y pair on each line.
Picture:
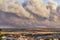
x,y
34,34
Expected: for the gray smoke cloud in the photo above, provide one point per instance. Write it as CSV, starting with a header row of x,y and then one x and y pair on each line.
x,y
34,13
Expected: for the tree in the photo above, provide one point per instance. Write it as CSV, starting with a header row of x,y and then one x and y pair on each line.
x,y
0,34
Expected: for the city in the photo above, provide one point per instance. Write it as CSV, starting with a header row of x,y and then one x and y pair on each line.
x,y
30,34
29,19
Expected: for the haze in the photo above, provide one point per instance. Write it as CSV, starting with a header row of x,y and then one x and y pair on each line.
x,y
29,14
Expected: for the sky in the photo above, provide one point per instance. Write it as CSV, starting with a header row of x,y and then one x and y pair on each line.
x,y
57,1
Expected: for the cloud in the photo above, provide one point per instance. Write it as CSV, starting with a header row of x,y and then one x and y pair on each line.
x,y
52,1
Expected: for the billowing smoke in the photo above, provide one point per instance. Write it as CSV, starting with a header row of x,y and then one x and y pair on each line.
x,y
53,4
38,8
15,7
33,13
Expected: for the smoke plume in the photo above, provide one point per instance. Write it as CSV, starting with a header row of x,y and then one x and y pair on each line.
x,y
32,13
